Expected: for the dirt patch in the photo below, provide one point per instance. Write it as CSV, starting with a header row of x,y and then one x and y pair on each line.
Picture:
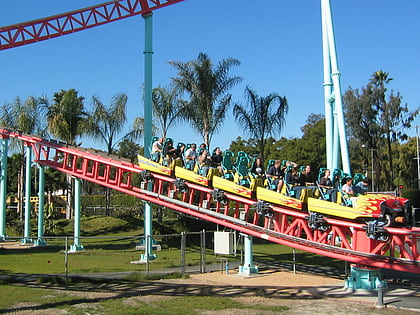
x,y
267,278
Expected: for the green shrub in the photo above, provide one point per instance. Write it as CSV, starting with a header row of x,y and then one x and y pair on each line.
x,y
413,195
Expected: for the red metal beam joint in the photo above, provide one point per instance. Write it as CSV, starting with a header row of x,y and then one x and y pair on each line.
x,y
74,21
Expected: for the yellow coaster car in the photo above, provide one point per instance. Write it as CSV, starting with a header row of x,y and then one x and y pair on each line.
x,y
154,167
389,208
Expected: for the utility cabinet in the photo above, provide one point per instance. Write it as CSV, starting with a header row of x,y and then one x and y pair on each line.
x,y
224,243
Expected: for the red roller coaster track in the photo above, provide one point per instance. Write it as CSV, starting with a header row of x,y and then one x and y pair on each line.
x,y
78,20
343,240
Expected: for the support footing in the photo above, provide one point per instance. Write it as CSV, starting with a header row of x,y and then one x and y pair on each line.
x,y
147,258
364,278
76,248
248,270
40,242
26,241
141,245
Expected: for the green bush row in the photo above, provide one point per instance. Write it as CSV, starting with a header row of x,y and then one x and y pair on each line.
x,y
413,195
117,200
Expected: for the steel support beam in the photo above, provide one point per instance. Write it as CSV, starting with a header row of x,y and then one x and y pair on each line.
x,y
3,187
335,133
77,210
28,176
148,65
74,21
41,197
248,267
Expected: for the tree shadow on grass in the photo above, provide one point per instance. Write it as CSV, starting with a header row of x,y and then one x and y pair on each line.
x,y
126,289
39,249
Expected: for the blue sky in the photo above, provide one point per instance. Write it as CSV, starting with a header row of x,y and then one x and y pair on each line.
x,y
278,43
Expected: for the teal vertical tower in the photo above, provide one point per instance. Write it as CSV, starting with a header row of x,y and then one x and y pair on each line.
x,y
28,175
40,241
248,266
77,209
3,187
148,61
335,133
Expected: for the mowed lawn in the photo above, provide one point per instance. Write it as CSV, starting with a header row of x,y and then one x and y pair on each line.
x,y
73,301
112,254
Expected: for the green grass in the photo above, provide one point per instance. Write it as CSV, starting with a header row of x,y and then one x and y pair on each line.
x,y
20,297
188,305
115,255
51,261
136,276
210,303
270,252
100,254
10,295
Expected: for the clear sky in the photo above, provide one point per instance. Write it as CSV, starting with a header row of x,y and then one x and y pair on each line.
x,y
277,41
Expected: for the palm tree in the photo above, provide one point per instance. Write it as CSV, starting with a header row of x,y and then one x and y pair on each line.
x,y
106,123
167,107
28,117
207,87
66,118
264,116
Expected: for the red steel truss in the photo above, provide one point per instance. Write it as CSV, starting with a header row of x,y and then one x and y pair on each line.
x,y
78,20
342,240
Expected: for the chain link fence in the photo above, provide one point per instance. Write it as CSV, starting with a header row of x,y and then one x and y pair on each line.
x,y
183,252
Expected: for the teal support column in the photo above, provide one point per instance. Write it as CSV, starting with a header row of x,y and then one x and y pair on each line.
x,y
41,201
148,54
248,267
77,207
336,140
328,95
28,175
3,188
148,85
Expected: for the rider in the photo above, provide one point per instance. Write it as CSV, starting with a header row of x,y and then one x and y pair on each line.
x,y
277,174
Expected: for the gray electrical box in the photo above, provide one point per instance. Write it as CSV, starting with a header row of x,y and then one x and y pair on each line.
x,y
224,243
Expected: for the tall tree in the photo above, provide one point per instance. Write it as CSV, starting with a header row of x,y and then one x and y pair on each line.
x,y
66,119
308,149
406,164
378,119
129,149
207,87
167,107
28,117
262,117
66,116
106,123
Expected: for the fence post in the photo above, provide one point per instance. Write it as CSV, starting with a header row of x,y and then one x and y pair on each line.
x,y
294,260
66,256
183,245
203,251
146,256
381,290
